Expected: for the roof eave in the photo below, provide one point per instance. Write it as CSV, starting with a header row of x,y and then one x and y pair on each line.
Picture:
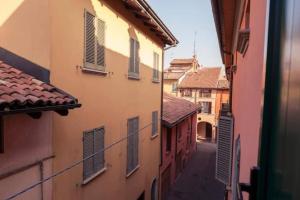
x,y
170,125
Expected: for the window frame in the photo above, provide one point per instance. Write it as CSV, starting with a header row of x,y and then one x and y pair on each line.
x,y
95,171
129,172
155,122
155,72
94,67
135,74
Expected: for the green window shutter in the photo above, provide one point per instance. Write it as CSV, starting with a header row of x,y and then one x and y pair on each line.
x,y
100,44
88,150
90,53
98,148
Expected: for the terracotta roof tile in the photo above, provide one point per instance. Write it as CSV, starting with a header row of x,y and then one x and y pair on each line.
x,y
173,75
175,109
204,78
182,61
20,91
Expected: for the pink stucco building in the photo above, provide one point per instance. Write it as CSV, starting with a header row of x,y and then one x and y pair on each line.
x,y
178,138
241,28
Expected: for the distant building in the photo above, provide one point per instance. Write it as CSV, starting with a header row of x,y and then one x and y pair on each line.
x,y
178,138
174,74
208,88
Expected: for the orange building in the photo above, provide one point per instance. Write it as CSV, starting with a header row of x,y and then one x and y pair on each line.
x,y
109,55
208,88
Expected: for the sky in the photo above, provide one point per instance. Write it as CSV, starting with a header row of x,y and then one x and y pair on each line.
x,y
184,18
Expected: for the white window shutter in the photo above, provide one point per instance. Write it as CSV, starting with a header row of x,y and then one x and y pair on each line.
x,y
90,53
224,150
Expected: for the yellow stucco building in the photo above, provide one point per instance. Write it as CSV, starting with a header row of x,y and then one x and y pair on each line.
x,y
109,55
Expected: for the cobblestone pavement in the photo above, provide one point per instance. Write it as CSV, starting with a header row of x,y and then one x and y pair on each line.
x,y
197,181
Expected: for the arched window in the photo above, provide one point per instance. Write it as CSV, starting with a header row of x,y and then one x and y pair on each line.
x,y
154,195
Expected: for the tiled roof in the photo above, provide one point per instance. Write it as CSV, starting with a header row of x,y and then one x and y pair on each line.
x,y
204,78
223,84
182,61
175,109
173,75
20,91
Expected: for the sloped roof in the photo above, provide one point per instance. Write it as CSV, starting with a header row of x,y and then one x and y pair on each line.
x,y
173,75
176,109
20,92
206,78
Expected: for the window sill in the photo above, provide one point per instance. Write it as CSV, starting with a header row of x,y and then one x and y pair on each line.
x,y
155,81
86,181
154,136
132,171
94,71
133,77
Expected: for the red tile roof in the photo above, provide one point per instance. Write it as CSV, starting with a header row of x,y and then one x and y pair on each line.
x,y
176,109
204,78
173,75
20,91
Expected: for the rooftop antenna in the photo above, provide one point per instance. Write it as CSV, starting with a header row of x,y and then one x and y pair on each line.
x,y
194,56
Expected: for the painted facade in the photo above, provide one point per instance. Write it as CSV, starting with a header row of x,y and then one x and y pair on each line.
x,y
176,72
60,34
178,139
207,88
244,39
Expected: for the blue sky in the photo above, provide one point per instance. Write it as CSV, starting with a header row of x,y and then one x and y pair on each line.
x,y
183,18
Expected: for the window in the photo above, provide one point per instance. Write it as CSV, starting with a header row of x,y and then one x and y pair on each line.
x,y
94,53
205,93
132,144
134,61
169,140
93,143
154,123
174,87
155,76
205,107
187,93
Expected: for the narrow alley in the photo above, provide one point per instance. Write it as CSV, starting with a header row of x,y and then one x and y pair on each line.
x,y
198,181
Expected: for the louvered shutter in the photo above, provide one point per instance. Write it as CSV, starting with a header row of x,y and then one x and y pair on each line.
x,y
155,66
137,58
154,123
131,58
136,142
90,53
98,148
100,44
130,147
88,150
224,150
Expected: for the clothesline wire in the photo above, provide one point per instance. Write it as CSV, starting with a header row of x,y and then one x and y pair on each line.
x,y
62,171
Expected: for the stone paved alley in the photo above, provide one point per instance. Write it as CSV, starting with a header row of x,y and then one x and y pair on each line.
x,y
197,182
